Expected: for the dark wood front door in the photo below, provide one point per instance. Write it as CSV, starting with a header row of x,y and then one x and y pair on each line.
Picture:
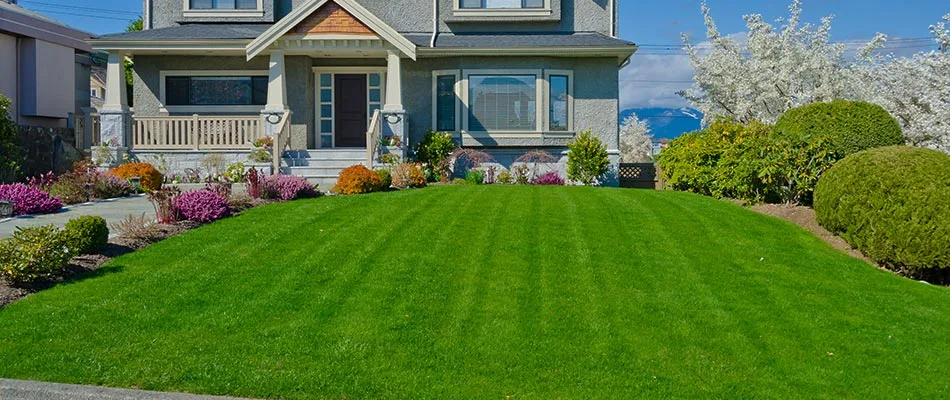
x,y
351,114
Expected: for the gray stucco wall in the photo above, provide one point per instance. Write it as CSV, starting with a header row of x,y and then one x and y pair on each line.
x,y
416,16
596,90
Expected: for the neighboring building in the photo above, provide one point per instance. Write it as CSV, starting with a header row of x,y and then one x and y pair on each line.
x,y
44,67
503,75
97,87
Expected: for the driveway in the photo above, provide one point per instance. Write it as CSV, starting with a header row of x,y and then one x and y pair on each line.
x,y
113,210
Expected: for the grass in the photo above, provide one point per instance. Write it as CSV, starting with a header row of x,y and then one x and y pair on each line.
x,y
490,292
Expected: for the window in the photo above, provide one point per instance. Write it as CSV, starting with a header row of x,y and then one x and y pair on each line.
x,y
446,102
215,90
223,4
502,103
502,3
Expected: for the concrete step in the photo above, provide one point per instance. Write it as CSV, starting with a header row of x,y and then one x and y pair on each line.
x,y
326,154
318,163
313,171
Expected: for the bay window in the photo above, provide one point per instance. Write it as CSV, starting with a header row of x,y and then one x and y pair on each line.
x,y
502,101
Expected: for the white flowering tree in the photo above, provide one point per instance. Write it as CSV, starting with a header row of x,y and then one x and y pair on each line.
x,y
768,71
915,90
636,143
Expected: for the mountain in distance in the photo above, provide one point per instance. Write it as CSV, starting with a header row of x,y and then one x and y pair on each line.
x,y
667,123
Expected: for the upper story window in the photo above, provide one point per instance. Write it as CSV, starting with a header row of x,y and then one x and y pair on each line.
x,y
502,8
223,8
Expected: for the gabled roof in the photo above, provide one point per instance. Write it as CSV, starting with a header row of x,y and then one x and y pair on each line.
x,y
299,14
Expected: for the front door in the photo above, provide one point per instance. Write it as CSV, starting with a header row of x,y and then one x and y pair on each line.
x,y
351,110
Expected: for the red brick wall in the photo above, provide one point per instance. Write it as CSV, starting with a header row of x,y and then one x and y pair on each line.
x,y
332,18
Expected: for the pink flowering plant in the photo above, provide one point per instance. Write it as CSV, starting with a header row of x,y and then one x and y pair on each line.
x,y
286,187
202,206
29,199
551,178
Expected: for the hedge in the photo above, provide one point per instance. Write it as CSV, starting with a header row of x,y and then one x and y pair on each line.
x,y
852,126
892,204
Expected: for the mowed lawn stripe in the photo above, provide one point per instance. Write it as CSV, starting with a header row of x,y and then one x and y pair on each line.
x,y
487,292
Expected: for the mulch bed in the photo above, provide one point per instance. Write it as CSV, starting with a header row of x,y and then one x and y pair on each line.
x,y
81,265
805,218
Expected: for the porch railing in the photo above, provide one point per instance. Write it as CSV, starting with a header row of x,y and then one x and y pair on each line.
x,y
373,134
91,121
195,132
281,140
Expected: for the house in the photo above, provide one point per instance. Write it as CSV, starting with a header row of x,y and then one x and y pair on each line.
x,y
97,87
329,80
44,67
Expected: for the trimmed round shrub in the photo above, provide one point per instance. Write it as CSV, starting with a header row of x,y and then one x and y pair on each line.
x,y
87,234
851,125
29,199
151,179
202,206
358,179
409,175
892,204
33,254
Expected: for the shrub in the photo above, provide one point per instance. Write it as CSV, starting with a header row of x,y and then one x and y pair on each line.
x,y
166,209
434,150
891,203
33,254
505,178
235,173
255,183
587,160
202,206
29,200
10,153
850,126
460,181
139,228
475,177
87,234
409,175
792,164
529,165
287,187
550,178
151,179
69,189
521,173
109,187
386,177
357,179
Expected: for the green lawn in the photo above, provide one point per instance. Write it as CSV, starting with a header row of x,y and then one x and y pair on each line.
x,y
488,292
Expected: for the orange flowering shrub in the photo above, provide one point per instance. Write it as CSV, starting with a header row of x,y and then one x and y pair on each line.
x,y
358,179
151,179
409,175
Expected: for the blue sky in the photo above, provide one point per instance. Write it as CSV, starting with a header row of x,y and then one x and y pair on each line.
x,y
654,74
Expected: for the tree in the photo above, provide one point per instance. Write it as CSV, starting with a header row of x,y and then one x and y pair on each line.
x,y
10,153
636,142
915,90
769,70
133,26
587,159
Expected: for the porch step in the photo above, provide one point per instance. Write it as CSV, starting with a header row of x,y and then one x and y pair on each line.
x,y
321,167
326,154
323,163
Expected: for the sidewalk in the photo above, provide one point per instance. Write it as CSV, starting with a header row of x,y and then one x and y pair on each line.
x,y
113,210
30,390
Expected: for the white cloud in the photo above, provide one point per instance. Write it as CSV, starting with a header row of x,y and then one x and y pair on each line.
x,y
653,80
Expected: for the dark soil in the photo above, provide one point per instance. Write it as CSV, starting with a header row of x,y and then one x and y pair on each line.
x,y
83,266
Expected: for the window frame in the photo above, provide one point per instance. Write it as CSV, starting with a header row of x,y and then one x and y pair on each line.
x,y
459,11
435,97
165,108
548,73
189,12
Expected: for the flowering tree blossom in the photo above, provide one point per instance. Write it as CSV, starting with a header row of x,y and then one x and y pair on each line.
x,y
636,142
915,90
768,71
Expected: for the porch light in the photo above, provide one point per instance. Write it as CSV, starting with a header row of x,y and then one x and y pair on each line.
x,y
274,119
136,182
6,208
393,118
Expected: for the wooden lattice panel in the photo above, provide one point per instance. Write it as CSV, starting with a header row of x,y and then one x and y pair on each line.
x,y
331,19
641,175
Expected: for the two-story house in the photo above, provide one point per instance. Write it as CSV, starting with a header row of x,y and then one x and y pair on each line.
x,y
328,79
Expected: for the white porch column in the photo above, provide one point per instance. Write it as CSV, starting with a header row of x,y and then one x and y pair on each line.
x,y
115,118
277,83
393,82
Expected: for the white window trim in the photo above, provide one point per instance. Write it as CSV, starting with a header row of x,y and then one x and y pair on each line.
x,y
435,104
317,112
188,12
166,109
540,110
570,98
458,11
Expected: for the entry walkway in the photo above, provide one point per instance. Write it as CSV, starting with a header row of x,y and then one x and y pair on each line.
x,y
30,390
112,210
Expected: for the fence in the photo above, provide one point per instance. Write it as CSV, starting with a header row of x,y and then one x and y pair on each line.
x,y
638,176
195,132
